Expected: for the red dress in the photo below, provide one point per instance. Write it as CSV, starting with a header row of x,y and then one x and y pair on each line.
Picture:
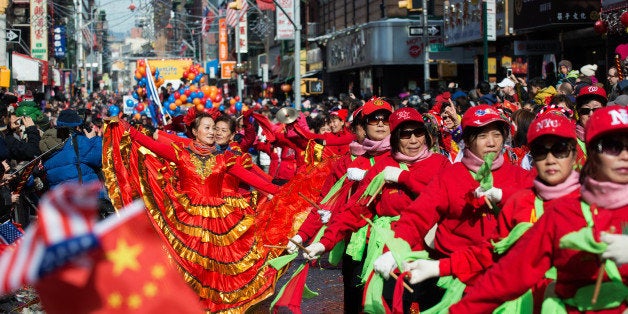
x,y
212,236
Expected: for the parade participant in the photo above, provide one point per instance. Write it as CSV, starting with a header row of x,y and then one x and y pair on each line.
x,y
407,170
337,141
567,236
211,237
226,130
464,210
553,149
343,182
451,130
590,98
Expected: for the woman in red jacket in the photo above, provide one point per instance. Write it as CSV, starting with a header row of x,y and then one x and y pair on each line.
x,y
568,236
552,139
407,170
466,212
346,175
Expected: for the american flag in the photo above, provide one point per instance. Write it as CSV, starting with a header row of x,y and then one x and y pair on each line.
x,y
233,16
88,36
65,229
9,233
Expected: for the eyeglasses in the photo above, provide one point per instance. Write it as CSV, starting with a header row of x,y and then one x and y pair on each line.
x,y
611,147
586,111
559,150
375,120
407,134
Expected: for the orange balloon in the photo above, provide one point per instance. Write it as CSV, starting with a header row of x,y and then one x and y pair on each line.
x,y
212,95
137,116
215,104
193,88
213,89
138,75
191,76
178,102
173,106
183,98
200,107
205,89
142,70
232,101
202,80
196,101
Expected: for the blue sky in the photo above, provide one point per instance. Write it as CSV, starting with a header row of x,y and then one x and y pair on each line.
x,y
120,18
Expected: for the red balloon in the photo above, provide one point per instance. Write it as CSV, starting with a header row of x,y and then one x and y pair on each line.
x,y
624,19
187,92
600,27
218,98
139,107
237,98
177,95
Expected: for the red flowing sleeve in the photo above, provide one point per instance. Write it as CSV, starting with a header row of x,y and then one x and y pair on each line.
x,y
163,150
252,179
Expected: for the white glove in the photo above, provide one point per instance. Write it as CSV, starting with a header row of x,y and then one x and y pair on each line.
x,y
493,194
384,264
262,138
617,249
293,247
355,174
316,249
325,215
422,269
391,174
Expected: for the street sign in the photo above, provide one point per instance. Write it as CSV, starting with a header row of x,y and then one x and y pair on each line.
x,y
432,30
439,48
13,35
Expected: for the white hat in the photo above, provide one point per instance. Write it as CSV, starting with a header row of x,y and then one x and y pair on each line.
x,y
589,69
506,82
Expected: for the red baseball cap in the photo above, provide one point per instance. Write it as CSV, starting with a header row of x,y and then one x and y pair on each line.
x,y
606,120
342,114
357,113
376,104
552,122
481,115
404,115
591,92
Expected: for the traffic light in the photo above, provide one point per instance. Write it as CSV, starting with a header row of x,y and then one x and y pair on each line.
x,y
411,5
405,4
236,5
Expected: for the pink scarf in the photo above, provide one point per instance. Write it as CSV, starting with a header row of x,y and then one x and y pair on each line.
x,y
548,192
376,147
356,149
473,162
580,132
609,195
422,155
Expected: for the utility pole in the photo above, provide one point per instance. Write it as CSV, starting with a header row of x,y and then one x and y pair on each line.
x,y
3,39
80,54
297,55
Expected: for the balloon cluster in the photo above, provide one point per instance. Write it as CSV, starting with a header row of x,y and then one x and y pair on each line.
x,y
140,93
612,22
204,97
194,74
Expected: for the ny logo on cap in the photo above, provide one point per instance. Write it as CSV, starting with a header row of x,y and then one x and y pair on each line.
x,y
619,116
547,123
378,102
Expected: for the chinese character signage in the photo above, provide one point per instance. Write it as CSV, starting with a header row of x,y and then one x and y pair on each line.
x,y
223,47
39,29
538,13
60,41
285,29
243,46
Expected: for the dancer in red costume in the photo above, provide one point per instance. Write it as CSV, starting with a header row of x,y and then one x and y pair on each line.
x,y
212,237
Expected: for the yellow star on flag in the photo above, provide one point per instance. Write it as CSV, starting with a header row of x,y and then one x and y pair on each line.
x,y
114,300
124,257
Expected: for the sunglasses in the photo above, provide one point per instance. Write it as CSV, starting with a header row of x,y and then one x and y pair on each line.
x,y
375,120
586,111
611,147
559,150
407,134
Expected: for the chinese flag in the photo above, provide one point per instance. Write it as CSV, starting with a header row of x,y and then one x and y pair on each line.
x,y
129,273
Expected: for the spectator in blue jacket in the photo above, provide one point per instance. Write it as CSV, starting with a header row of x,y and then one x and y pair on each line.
x,y
80,158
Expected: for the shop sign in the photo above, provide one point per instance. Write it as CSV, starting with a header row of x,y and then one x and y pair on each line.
x,y
537,13
39,29
536,47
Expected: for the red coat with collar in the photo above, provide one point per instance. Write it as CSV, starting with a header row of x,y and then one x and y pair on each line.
x,y
538,250
394,199
313,222
444,201
469,263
